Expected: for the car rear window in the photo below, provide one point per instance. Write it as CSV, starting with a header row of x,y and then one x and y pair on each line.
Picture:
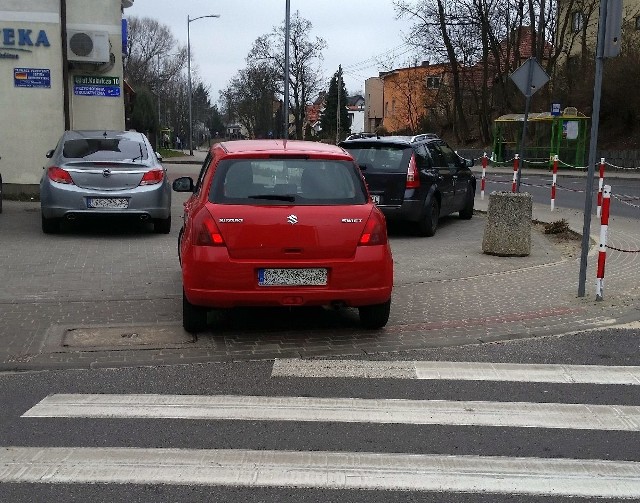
x,y
108,149
287,181
380,158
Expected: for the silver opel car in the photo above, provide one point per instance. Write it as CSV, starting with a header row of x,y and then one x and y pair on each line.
x,y
105,173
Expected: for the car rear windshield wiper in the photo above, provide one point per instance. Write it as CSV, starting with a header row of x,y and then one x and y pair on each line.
x,y
274,197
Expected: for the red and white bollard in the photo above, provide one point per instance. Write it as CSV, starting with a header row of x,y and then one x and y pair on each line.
x,y
600,185
553,183
484,175
514,185
602,247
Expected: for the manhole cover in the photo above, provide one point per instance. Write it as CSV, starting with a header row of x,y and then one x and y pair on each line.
x,y
147,336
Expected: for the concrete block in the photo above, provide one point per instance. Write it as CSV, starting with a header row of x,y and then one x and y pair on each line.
x,y
508,229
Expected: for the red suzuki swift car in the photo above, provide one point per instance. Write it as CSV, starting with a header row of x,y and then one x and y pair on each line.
x,y
282,223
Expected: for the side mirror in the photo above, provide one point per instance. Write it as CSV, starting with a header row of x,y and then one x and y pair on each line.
x,y
159,156
183,184
49,154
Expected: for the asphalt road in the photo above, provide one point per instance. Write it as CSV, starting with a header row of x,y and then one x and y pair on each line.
x,y
512,445
259,431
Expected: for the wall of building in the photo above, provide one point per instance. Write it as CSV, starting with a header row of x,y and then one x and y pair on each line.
x,y
31,82
591,12
373,107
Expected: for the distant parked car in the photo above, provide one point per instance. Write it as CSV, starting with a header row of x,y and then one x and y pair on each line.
x,y
415,178
107,173
282,223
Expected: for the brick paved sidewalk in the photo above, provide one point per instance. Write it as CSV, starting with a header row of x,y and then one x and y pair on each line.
x,y
112,296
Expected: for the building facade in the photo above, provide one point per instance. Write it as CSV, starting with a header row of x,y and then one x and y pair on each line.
x,y
373,104
47,86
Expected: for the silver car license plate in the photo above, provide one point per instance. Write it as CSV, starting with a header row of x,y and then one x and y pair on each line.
x,y
292,277
108,202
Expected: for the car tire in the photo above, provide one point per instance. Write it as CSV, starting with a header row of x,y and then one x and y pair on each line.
x,y
467,211
194,318
50,225
429,223
162,225
375,316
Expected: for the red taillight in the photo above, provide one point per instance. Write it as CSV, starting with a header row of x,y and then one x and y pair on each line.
x,y
413,178
375,230
59,175
206,230
152,177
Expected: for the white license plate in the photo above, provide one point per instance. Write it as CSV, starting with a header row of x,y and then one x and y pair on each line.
x,y
376,198
107,202
292,277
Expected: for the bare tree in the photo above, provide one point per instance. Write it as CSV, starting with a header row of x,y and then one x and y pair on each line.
x,y
154,55
304,73
249,98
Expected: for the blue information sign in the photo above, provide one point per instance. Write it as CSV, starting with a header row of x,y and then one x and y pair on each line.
x,y
106,91
32,77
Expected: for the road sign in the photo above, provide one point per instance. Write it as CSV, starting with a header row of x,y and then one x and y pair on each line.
x,y
529,77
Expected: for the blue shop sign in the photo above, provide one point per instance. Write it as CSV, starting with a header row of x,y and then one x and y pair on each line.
x,y
32,77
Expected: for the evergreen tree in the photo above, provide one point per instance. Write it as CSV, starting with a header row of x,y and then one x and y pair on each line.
x,y
328,120
144,117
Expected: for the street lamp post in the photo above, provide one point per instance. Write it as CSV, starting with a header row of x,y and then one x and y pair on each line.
x,y
189,21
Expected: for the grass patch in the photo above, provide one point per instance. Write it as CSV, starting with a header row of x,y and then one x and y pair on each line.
x,y
167,153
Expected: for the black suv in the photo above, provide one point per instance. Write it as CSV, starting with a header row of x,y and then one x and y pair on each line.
x,y
415,178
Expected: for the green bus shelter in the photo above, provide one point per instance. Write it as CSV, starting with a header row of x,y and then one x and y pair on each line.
x,y
564,135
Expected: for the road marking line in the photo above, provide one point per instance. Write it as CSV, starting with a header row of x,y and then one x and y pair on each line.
x,y
472,371
347,410
330,470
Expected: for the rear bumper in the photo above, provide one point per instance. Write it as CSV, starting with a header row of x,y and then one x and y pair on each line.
x,y
60,200
211,279
411,210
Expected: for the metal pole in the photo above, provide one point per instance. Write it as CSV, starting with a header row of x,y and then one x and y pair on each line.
x,y
286,70
189,21
524,125
593,143
339,78
158,139
189,86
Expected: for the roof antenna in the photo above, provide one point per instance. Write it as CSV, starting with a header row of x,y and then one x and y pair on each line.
x,y
105,134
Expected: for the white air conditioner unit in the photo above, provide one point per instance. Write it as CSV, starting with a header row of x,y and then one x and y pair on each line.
x,y
88,46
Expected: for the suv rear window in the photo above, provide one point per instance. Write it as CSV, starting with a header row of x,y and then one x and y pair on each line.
x,y
104,149
286,181
380,158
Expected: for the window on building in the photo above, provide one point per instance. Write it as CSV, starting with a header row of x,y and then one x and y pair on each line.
x,y
393,108
638,23
386,109
433,82
577,21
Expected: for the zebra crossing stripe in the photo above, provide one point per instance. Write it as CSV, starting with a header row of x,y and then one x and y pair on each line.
x,y
472,371
330,470
347,410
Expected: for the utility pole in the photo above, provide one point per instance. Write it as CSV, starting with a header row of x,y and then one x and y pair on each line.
x,y
338,107
287,23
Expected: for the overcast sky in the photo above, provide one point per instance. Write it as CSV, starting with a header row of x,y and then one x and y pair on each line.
x,y
359,34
